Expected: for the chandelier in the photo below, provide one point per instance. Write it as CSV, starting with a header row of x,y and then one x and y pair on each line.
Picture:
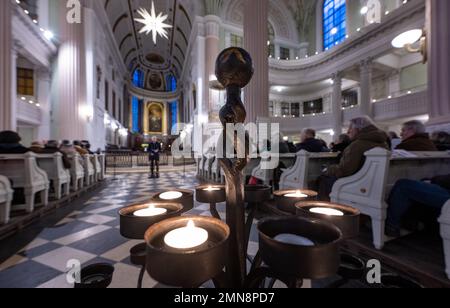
x,y
153,23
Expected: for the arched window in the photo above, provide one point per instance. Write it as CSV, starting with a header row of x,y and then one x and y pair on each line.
x,y
171,83
138,78
334,22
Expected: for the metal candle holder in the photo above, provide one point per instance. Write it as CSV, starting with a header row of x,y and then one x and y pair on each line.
x,y
134,227
292,263
187,199
254,195
351,267
95,276
287,204
348,223
192,267
211,197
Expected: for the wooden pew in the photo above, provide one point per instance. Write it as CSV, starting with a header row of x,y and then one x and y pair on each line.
x,y
307,168
23,171
6,197
444,221
89,171
368,189
102,161
217,172
59,177
76,172
97,167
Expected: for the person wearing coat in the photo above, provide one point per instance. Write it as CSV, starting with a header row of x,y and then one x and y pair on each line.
x,y
415,138
154,150
365,136
10,143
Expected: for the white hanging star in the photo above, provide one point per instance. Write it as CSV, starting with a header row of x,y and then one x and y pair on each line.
x,y
153,23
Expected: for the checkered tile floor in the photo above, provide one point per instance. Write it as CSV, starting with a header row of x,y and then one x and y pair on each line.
x,y
91,235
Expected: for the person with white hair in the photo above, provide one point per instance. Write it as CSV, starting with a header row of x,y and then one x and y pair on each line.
x,y
365,136
415,138
310,143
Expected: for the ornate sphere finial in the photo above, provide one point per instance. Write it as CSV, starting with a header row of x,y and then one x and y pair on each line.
x,y
234,67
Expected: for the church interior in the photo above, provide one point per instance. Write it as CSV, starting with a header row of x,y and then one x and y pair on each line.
x,y
244,144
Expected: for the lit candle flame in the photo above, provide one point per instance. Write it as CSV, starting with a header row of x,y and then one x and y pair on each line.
x,y
188,237
297,194
326,211
151,210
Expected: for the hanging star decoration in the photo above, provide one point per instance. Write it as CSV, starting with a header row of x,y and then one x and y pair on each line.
x,y
153,23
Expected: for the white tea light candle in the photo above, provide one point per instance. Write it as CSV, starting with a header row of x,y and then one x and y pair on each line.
x,y
187,237
297,194
294,239
210,188
150,211
171,195
326,211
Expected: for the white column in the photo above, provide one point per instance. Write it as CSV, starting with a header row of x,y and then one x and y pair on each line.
x,y
43,97
69,88
438,22
394,83
366,85
13,108
255,42
43,13
336,101
212,45
7,96
277,50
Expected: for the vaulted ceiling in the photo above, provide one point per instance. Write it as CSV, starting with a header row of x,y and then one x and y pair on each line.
x,y
139,50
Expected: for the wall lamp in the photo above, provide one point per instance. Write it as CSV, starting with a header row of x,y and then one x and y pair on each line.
x,y
409,39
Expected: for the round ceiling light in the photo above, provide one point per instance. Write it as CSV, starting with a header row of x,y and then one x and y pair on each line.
x,y
407,38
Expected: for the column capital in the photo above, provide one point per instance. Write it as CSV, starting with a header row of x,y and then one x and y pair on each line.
x,y
212,26
366,64
337,77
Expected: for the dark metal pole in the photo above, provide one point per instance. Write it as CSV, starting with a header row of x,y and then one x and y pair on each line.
x,y
234,70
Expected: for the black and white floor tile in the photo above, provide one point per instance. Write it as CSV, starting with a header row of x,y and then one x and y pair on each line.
x,y
91,234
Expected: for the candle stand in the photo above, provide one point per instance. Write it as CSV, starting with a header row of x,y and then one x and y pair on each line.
x,y
134,227
226,246
187,268
285,200
254,195
347,220
211,195
183,196
289,262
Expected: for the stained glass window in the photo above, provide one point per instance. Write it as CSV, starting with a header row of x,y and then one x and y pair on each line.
x,y
334,23
135,114
138,78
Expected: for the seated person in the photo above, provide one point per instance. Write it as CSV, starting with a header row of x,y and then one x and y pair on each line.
x,y
10,143
67,148
87,146
342,143
407,193
365,136
310,143
441,140
415,138
395,139
37,147
52,147
78,147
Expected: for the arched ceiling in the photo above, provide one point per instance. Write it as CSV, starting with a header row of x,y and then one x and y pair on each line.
x,y
138,50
